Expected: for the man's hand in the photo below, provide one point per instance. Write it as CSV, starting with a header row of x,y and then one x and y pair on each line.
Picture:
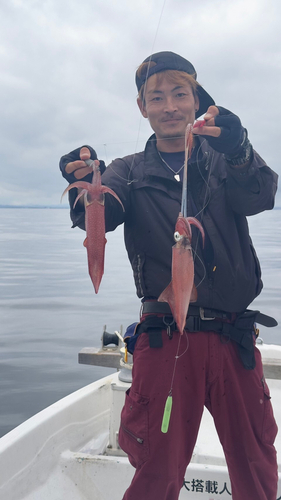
x,y
79,168
73,166
223,131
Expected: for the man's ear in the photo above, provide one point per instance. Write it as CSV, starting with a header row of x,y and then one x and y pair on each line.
x,y
141,105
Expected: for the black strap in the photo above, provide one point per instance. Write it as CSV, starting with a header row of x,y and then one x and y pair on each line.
x,y
244,322
153,326
155,307
155,337
265,320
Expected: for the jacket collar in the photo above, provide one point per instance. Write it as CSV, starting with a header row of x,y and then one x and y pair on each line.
x,y
152,161
154,165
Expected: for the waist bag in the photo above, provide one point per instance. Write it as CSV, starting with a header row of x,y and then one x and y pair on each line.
x,y
242,331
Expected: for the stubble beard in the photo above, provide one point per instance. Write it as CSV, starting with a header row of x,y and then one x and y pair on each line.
x,y
171,137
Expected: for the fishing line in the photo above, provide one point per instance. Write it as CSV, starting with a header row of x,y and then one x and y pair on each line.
x,y
140,120
105,151
208,191
147,71
205,204
133,142
169,400
196,256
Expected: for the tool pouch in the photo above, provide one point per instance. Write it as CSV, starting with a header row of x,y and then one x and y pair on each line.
x,y
153,326
131,336
242,331
247,356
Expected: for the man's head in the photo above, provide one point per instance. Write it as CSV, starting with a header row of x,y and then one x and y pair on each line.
x,y
173,64
170,97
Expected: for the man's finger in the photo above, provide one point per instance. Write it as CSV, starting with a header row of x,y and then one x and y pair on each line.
x,y
212,111
208,130
82,172
74,165
85,153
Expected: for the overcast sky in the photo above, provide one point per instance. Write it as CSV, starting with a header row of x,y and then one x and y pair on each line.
x,y
67,78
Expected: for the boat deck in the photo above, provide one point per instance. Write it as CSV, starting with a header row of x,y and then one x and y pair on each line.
x,y
70,450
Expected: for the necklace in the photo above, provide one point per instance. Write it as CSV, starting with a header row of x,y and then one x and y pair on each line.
x,y
176,174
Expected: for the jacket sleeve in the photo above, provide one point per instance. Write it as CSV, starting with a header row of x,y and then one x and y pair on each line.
x,y
251,189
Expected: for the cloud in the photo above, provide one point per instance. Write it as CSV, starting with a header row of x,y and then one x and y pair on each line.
x,y
67,77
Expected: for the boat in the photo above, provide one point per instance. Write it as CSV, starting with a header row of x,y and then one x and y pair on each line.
x,y
70,449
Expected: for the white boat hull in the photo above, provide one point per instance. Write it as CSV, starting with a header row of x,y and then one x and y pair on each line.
x,y
70,451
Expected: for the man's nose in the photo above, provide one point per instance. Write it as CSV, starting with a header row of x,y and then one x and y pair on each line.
x,y
170,105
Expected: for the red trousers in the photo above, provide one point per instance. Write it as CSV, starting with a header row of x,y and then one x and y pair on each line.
x,y
208,373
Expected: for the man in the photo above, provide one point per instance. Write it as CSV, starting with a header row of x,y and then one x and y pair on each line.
x,y
215,363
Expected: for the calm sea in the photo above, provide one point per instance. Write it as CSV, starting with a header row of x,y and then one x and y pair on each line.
x,y
49,310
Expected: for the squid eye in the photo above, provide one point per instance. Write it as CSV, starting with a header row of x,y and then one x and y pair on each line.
x,y
177,236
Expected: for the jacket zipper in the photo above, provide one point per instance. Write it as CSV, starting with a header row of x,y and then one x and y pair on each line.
x,y
136,438
139,274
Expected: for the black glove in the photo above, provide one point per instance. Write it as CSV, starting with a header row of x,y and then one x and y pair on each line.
x,y
73,156
232,134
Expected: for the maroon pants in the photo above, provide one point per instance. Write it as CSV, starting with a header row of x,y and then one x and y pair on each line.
x,y
209,373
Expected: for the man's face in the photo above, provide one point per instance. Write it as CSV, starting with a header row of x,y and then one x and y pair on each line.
x,y
169,107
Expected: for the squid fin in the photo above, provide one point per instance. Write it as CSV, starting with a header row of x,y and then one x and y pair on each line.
x,y
193,297
168,296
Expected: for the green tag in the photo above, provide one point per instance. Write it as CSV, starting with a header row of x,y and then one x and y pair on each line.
x,y
167,415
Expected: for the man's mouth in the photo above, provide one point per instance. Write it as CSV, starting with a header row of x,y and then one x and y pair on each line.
x,y
171,120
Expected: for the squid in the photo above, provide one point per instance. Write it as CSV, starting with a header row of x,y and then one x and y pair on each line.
x,y
181,290
94,221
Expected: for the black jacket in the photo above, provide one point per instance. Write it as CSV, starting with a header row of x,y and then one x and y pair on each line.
x,y
227,271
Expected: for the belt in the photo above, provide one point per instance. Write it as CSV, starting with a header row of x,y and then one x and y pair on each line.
x,y
205,314
238,327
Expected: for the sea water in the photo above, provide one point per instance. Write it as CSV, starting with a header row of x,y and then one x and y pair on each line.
x,y
49,310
